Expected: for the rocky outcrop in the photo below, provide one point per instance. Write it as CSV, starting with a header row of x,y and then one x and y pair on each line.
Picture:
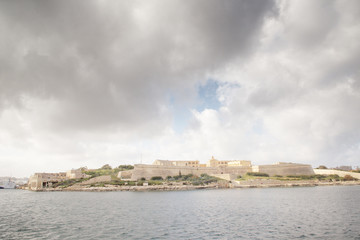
x,y
99,179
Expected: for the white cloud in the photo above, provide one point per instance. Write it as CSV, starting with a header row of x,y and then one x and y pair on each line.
x,y
93,88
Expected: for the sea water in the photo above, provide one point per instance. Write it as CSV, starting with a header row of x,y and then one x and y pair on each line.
x,y
273,213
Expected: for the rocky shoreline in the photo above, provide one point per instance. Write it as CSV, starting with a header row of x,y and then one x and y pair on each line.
x,y
300,183
236,184
129,188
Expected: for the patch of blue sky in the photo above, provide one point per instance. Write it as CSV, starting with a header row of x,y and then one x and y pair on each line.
x,y
207,96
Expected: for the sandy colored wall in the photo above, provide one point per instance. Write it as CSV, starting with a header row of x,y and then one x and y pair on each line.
x,y
148,171
340,173
226,176
125,174
34,183
286,169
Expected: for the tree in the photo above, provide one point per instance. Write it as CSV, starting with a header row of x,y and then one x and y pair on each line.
x,y
125,167
322,167
106,167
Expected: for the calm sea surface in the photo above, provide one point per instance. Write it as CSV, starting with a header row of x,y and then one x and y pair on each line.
x,y
273,213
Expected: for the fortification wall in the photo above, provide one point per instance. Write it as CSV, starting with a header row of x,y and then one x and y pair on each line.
x,y
226,176
286,169
125,174
34,183
339,173
148,171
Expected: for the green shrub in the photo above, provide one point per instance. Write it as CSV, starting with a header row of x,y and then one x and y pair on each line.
x,y
125,167
197,183
143,179
257,174
320,177
292,176
188,176
117,182
106,167
100,172
68,183
333,176
131,183
157,178
278,176
154,182
177,177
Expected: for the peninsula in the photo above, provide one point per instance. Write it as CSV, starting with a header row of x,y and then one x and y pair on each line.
x,y
187,175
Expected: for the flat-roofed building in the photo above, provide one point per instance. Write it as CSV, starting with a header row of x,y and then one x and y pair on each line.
x,y
238,163
180,163
39,181
227,163
76,173
42,180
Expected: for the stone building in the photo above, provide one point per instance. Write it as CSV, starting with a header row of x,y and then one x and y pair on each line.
x,y
230,163
75,174
43,180
186,163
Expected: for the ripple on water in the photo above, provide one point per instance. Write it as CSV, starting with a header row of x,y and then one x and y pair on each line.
x,y
275,213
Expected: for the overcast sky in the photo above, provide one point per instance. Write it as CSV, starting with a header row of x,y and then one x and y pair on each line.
x,y
85,83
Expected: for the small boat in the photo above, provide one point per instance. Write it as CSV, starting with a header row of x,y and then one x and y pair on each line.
x,y
8,185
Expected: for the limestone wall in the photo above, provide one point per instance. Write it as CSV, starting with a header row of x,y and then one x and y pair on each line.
x,y
285,169
340,173
35,182
125,174
38,180
225,176
148,171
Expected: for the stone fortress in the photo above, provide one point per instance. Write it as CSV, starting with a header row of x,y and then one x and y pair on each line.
x,y
226,169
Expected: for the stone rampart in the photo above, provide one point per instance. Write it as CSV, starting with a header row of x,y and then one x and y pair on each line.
x,y
337,172
125,174
225,176
149,171
285,169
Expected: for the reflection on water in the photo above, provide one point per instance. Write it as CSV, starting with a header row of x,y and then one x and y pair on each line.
x,y
274,213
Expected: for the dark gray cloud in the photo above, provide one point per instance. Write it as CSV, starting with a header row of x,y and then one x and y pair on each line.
x,y
113,63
